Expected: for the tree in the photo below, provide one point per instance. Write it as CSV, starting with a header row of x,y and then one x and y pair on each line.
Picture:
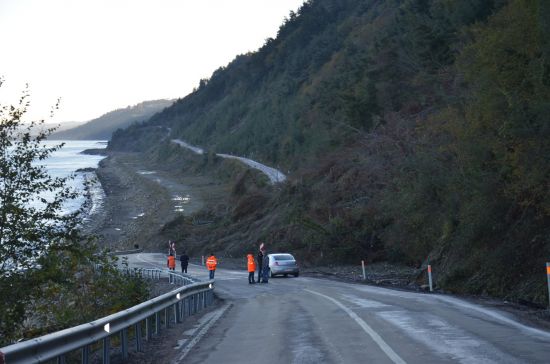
x,y
48,269
31,201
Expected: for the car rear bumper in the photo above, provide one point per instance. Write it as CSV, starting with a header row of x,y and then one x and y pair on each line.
x,y
284,270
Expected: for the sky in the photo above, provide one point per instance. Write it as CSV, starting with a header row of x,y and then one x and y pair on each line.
x,y
102,55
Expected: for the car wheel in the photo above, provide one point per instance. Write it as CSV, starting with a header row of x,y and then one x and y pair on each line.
x,y
286,275
271,275
296,274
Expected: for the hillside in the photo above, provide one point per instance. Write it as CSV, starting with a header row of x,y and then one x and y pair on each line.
x,y
103,127
414,131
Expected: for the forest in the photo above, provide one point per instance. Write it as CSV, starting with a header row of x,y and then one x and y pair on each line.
x,y
413,130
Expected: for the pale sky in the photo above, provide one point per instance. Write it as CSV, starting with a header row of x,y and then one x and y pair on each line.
x,y
101,55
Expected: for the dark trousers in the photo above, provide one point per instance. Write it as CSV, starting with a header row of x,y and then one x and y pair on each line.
x,y
251,277
212,273
259,273
265,275
184,269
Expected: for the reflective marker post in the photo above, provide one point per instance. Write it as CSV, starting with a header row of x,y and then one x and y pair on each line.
x,y
548,278
430,277
364,274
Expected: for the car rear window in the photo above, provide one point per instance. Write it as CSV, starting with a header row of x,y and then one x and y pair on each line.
x,y
284,257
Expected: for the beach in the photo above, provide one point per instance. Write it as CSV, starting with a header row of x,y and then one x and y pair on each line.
x,y
142,197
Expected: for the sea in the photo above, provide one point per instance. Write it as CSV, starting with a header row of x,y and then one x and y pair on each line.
x,y
67,161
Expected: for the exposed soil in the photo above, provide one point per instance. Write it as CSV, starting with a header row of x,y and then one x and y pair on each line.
x,y
141,198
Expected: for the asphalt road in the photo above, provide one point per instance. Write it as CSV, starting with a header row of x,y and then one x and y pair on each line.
x,y
310,320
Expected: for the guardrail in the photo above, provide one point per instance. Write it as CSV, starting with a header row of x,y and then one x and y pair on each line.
x,y
173,307
155,274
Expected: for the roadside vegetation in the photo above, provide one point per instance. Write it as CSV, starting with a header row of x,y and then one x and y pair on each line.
x,y
413,131
51,276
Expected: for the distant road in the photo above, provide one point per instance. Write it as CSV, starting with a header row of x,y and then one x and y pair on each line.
x,y
274,175
309,320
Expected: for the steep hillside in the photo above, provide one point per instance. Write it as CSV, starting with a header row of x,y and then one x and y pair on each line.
x,y
413,130
103,127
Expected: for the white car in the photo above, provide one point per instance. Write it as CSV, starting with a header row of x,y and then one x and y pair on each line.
x,y
283,264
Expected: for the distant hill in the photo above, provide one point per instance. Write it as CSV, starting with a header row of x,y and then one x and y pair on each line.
x,y
414,132
104,126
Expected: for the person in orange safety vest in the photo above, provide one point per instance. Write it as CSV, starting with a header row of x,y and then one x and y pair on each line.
x,y
211,264
251,268
171,262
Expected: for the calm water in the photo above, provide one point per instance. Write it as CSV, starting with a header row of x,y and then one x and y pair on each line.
x,y
68,159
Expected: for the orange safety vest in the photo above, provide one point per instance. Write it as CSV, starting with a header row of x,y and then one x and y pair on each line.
x,y
251,263
211,263
171,262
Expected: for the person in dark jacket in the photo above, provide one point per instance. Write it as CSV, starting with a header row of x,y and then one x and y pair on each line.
x,y
265,267
184,259
260,261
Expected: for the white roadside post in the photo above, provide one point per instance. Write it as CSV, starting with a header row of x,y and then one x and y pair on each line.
x,y
202,260
364,274
430,277
548,278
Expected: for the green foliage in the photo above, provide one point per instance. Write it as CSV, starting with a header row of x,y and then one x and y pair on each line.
x,y
47,275
30,224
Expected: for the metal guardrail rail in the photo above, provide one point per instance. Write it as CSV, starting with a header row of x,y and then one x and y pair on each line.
x,y
174,306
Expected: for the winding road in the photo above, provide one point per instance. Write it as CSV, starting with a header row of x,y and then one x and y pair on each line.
x,y
310,320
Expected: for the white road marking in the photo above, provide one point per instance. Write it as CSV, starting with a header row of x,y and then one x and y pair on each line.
x,y
373,334
442,338
364,303
469,307
201,333
494,315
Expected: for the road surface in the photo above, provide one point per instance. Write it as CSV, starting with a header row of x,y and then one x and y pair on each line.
x,y
274,175
310,320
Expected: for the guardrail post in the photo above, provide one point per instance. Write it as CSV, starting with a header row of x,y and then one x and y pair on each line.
x,y
175,313
137,331
149,328
364,273
157,323
124,343
85,354
166,316
61,359
106,354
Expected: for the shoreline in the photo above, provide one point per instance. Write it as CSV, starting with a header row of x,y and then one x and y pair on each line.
x,y
96,151
141,199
